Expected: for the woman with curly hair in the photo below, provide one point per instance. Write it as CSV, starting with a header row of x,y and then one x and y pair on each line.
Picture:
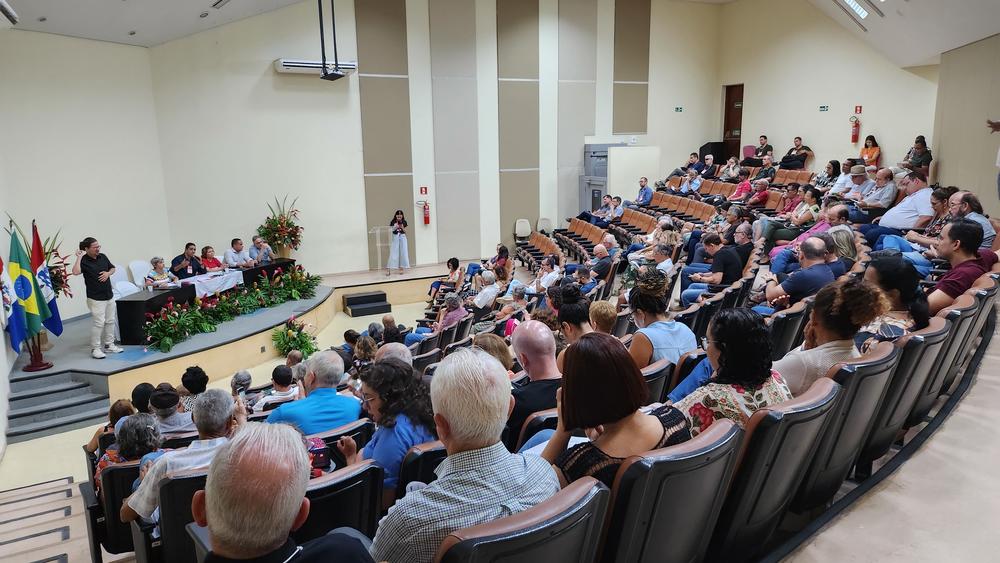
x,y
400,405
739,349
840,310
658,337
364,355
136,435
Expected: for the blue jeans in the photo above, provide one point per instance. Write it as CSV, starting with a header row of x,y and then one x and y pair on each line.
x,y
873,232
896,242
692,269
540,437
417,335
634,247
920,262
692,245
691,294
858,216
698,377
782,261
570,268
473,269
764,310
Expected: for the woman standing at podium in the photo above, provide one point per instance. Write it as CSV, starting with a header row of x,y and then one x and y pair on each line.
x,y
399,254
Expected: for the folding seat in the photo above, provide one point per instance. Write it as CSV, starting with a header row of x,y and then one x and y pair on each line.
x,y
626,340
985,293
360,431
419,464
448,336
423,360
104,527
865,381
429,343
685,365
429,370
688,317
709,307
565,528
805,177
695,475
174,544
785,326
656,375
622,323
542,420
919,351
960,316
175,441
674,183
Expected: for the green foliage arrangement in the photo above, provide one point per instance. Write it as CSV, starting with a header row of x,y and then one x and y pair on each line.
x,y
293,335
280,229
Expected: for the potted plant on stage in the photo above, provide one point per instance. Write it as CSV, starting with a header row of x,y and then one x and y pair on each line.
x,y
280,229
293,335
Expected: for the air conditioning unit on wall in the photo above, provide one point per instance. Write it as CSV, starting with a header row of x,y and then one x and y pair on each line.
x,y
295,66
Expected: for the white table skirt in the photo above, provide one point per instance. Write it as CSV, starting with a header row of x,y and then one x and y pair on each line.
x,y
214,282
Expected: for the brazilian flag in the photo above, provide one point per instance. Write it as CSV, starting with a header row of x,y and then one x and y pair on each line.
x,y
26,287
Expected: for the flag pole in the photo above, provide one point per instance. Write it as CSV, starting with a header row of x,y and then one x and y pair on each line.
x,y
37,362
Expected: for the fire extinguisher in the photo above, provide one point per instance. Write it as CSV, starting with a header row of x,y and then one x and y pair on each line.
x,y
855,128
427,213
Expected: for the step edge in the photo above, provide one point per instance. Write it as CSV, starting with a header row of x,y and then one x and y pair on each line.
x,y
69,402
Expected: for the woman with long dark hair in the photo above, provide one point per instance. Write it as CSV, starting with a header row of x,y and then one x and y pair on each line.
x,y
908,308
449,282
871,152
739,349
399,253
825,179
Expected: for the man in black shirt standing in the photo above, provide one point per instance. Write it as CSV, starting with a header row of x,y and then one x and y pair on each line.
x,y
535,348
187,265
97,271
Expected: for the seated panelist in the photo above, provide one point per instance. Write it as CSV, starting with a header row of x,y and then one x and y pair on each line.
x,y
187,265
237,256
208,259
159,276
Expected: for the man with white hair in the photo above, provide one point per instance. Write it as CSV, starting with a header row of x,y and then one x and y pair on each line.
x,y
479,481
246,525
535,349
323,408
482,303
216,415
396,350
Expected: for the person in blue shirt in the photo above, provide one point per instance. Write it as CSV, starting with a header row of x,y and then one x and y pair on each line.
x,y
261,252
644,197
814,273
323,408
400,405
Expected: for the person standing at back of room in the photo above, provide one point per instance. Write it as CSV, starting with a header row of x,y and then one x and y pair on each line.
x,y
97,270
399,254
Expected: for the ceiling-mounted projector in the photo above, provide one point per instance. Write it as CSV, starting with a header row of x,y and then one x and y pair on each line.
x,y
315,68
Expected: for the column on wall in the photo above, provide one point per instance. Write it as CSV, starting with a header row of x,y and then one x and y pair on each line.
x,y
631,74
518,106
385,117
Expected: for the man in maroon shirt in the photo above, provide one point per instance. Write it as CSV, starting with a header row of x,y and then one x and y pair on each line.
x,y
959,244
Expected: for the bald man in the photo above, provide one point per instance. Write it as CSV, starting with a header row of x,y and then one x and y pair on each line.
x,y
535,348
602,265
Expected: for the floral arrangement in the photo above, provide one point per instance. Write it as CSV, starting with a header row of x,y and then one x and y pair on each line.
x,y
176,322
279,229
294,335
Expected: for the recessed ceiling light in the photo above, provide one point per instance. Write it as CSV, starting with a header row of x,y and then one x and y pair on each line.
x,y
218,4
131,33
203,15
43,19
861,12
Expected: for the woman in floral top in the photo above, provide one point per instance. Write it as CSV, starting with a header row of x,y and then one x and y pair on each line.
x,y
739,350
137,435
908,310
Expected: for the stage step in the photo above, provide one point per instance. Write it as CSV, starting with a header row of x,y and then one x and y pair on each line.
x,y
42,395
354,299
45,403
38,380
368,309
92,417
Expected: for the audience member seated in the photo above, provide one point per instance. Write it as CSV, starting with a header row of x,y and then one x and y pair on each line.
x,y
479,481
603,390
777,232
500,262
187,264
960,246
693,163
658,337
159,276
663,233
140,396
845,248
346,350
574,317
785,257
791,206
449,316
216,415
689,186
833,259
165,403
825,179
919,158
644,197
841,310
877,200
659,259
858,185
400,406
496,347
907,310
284,389
726,231
194,381
254,497
208,259
603,316
767,170
843,182
293,358
237,256
759,195
506,318
727,265
760,151
967,206
739,349
708,172
488,264
599,215
260,251
534,346
448,283
364,356
394,350
119,410
870,153
795,158
548,273
730,172
913,212
240,382
135,436
322,409
812,275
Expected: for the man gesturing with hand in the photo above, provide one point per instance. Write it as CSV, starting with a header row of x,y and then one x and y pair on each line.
x,y
97,271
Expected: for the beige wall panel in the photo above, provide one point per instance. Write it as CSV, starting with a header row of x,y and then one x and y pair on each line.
x,y
456,137
518,200
457,215
630,108
518,124
381,28
453,38
383,196
517,39
577,39
632,40
568,194
577,104
385,125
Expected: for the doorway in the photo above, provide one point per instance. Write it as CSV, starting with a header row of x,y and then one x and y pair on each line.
x,y
732,123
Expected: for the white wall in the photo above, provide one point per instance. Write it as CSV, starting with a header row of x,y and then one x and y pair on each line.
x,y
80,142
792,58
234,134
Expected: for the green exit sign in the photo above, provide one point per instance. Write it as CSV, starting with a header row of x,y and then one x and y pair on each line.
x,y
678,109
824,108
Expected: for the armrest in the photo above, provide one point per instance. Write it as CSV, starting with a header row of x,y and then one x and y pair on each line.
x,y
89,496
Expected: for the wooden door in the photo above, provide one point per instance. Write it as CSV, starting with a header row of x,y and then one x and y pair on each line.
x,y
732,123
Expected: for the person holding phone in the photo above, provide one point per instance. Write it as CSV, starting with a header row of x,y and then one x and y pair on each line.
x,y
399,254
97,270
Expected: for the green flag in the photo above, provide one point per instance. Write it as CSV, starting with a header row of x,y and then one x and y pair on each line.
x,y
26,287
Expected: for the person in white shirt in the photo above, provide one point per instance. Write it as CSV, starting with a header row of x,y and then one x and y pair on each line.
x,y
875,200
284,388
843,183
483,301
913,212
547,275
237,256
661,256
216,415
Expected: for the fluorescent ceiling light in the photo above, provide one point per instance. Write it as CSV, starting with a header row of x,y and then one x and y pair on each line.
x,y
861,12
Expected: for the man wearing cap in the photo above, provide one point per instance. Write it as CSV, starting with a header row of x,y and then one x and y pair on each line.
x,y
913,212
875,200
164,403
